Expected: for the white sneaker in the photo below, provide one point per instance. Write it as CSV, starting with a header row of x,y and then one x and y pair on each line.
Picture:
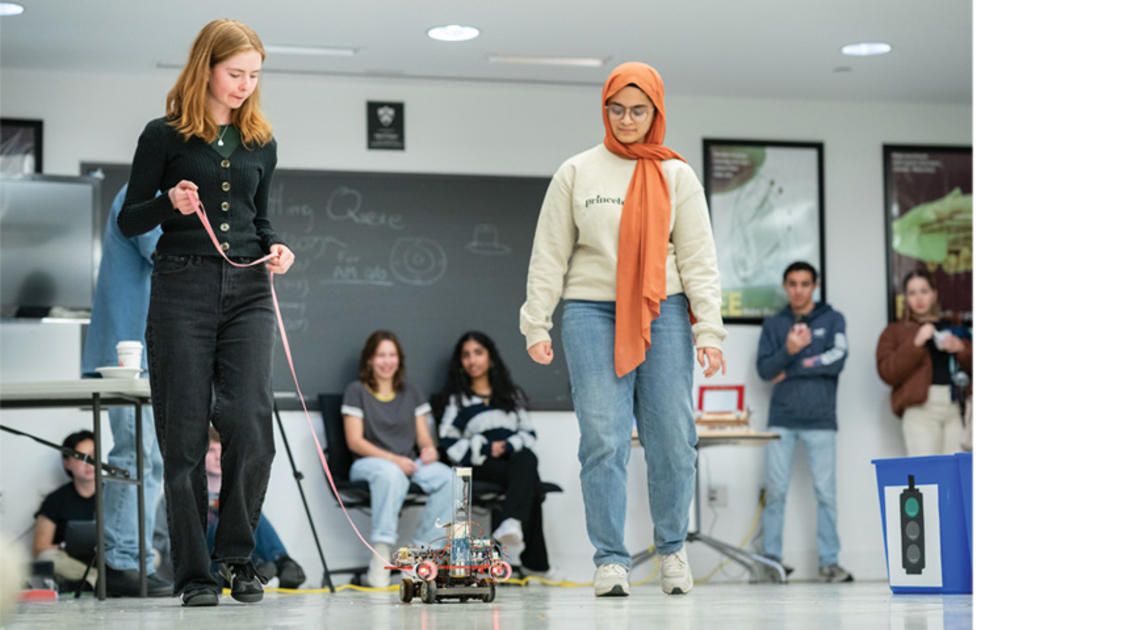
x,y
377,569
676,577
611,580
553,574
509,533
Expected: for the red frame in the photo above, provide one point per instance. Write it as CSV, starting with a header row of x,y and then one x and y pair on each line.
x,y
703,388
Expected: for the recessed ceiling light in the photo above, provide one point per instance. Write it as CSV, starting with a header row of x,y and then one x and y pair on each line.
x,y
866,49
453,33
10,8
582,62
327,51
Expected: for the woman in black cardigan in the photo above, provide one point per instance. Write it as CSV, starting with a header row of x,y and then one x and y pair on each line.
x,y
210,326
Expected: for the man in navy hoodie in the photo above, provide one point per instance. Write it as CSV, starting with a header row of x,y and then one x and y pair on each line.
x,y
802,350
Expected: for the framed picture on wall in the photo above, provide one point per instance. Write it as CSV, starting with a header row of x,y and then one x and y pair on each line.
x,y
766,206
21,146
930,224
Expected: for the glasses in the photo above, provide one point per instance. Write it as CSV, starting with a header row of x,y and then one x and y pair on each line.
x,y
639,113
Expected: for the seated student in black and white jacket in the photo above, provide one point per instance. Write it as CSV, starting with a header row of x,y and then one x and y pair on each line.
x,y
484,425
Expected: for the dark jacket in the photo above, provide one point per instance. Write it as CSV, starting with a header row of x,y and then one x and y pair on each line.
x,y
805,399
234,191
907,368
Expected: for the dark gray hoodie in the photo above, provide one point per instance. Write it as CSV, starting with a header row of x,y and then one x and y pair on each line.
x,y
805,399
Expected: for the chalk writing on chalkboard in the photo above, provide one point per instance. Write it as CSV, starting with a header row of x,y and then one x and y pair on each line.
x,y
427,256
418,261
485,241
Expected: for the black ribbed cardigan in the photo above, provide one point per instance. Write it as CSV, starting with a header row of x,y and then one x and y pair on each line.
x,y
234,191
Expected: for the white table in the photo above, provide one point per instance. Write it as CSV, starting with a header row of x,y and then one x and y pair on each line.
x,y
95,393
745,558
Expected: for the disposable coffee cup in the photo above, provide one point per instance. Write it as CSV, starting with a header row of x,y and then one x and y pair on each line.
x,y
130,354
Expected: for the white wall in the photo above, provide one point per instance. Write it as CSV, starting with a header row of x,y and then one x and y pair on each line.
x,y
529,130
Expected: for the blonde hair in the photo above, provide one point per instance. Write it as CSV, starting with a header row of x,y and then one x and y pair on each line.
x,y
186,102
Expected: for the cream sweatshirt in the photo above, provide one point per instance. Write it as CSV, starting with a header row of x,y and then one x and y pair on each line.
x,y
576,243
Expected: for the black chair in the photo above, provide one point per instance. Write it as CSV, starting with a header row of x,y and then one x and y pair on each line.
x,y
356,495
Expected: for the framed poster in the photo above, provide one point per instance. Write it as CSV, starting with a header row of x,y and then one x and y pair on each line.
x,y
930,224
21,146
385,125
766,206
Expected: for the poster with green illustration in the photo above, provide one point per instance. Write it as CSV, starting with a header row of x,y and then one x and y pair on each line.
x,y
766,207
930,224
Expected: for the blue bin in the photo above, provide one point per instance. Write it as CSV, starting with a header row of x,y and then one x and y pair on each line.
x,y
966,472
939,502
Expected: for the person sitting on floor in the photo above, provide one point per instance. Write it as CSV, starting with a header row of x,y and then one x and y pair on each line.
x,y
269,555
73,501
485,425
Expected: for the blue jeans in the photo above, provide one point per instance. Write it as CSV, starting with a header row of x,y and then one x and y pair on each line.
x,y
120,501
658,396
388,486
820,445
267,545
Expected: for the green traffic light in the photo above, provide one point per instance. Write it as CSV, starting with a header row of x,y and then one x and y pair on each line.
x,y
911,507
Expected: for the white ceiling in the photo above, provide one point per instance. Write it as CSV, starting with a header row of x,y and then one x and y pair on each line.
x,y
785,49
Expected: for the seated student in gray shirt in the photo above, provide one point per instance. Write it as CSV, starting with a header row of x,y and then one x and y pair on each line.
x,y
385,423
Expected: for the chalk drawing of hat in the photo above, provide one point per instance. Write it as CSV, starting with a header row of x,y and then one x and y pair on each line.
x,y
485,241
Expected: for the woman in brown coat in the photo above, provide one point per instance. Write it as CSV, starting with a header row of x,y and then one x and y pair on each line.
x,y
918,357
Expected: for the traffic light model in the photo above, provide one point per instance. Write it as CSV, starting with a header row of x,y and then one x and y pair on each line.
x,y
913,529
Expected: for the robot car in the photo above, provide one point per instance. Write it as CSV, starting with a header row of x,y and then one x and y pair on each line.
x,y
465,567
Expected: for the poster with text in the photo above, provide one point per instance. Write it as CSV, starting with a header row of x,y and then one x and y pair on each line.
x,y
766,207
930,225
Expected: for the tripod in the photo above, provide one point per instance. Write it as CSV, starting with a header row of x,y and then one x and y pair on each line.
x,y
326,580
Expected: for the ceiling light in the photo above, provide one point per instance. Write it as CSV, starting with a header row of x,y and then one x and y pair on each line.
x,y
10,8
326,51
582,62
866,49
453,33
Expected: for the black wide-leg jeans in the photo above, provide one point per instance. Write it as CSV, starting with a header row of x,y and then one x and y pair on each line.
x,y
210,335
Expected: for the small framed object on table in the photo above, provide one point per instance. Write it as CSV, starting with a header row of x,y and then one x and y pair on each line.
x,y
721,406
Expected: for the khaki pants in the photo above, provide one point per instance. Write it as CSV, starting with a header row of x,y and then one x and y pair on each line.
x,y
935,426
67,567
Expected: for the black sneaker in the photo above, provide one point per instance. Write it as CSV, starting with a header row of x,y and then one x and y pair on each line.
x,y
772,574
268,570
835,573
289,573
199,595
244,581
126,584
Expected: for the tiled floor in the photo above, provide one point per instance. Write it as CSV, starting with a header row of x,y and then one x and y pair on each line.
x,y
803,606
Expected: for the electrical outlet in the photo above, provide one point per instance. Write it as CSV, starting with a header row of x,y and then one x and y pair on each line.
x,y
718,496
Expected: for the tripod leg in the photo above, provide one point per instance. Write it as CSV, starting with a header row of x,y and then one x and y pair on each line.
x,y
326,579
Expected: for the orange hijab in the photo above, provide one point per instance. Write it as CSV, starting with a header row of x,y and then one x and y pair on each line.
x,y
643,240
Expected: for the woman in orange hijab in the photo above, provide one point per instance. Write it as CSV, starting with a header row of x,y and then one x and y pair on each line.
x,y
623,238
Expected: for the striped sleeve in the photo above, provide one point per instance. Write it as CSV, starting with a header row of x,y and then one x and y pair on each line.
x,y
837,352
525,436
451,439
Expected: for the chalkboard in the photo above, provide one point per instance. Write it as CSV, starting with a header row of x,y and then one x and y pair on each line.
x,y
425,256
